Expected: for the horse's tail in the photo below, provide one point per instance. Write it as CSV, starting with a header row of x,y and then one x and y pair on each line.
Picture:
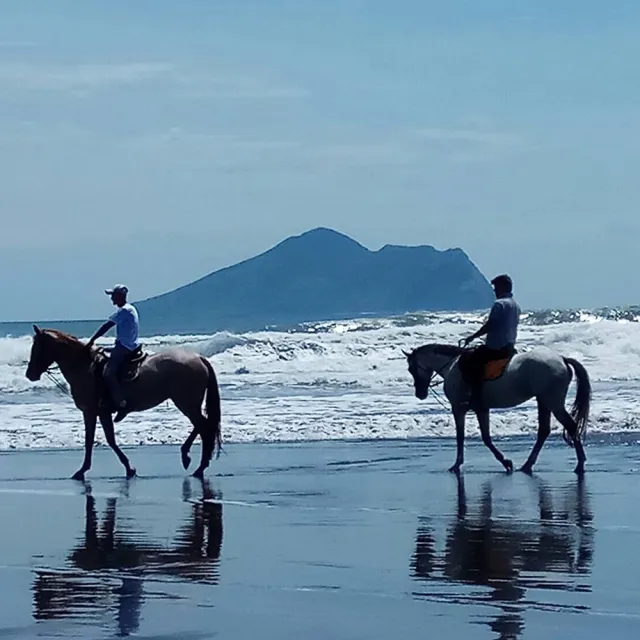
x,y
582,403
213,411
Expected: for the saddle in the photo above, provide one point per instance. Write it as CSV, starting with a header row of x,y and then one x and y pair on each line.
x,y
491,370
128,371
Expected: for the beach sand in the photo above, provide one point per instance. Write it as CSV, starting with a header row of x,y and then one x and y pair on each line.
x,y
322,540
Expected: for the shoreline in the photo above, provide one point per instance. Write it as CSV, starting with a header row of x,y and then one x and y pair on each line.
x,y
631,437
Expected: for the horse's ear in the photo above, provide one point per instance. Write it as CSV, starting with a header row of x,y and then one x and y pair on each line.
x,y
36,330
405,353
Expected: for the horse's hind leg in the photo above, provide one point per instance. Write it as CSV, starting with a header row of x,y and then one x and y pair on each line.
x,y
191,407
563,417
544,429
483,422
107,426
200,427
186,447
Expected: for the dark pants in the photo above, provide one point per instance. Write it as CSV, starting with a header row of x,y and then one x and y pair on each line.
x,y
473,369
117,359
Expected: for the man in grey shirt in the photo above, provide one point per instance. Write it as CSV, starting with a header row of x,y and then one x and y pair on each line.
x,y
501,329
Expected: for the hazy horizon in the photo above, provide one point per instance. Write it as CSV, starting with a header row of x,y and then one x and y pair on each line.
x,y
155,143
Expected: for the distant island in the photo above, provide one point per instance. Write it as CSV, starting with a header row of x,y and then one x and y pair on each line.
x,y
319,275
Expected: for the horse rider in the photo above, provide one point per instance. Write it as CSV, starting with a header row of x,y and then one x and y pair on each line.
x,y
501,329
125,319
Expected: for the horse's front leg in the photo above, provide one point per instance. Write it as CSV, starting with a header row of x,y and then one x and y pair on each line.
x,y
107,426
483,422
90,419
458,416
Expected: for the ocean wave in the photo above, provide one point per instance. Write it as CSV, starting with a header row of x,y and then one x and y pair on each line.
x,y
358,416
373,359
338,379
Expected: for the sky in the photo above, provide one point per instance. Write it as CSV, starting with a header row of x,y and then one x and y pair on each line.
x,y
153,142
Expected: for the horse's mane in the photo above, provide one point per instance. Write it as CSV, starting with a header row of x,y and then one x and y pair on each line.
x,y
63,337
440,349
76,347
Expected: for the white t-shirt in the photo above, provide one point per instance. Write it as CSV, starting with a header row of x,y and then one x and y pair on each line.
x,y
126,319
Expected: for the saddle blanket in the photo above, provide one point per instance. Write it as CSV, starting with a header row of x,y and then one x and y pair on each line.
x,y
495,368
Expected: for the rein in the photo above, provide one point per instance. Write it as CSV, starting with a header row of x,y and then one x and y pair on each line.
x,y
436,372
61,385
50,372
96,355
433,383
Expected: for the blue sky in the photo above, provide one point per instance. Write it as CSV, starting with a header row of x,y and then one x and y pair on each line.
x,y
153,142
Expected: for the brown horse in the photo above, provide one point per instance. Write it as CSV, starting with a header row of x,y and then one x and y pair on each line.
x,y
178,375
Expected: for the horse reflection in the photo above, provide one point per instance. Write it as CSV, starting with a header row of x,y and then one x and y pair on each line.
x,y
107,555
507,556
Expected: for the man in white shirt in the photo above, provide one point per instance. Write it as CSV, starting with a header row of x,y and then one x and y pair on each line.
x,y
125,319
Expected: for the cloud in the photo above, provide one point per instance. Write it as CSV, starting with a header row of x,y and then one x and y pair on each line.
x,y
306,153
186,82
472,145
376,153
232,85
471,136
16,44
85,77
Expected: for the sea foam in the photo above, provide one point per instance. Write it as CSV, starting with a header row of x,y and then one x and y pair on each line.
x,y
335,380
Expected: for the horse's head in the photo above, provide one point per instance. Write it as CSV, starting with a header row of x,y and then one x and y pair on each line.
x,y
42,354
432,358
421,372
49,346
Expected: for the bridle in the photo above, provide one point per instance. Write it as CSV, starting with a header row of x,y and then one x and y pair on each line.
x,y
432,382
54,368
96,357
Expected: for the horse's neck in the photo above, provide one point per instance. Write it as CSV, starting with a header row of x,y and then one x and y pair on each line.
x,y
73,368
442,364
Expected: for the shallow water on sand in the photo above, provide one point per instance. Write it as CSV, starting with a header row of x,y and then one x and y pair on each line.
x,y
317,540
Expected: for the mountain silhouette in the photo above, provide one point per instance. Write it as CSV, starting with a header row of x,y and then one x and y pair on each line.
x,y
320,275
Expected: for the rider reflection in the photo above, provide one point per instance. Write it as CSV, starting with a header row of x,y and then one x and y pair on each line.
x,y
86,592
511,558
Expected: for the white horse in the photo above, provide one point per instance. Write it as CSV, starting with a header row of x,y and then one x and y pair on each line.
x,y
540,373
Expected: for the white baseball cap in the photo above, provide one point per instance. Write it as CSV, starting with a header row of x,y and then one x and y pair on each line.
x,y
119,288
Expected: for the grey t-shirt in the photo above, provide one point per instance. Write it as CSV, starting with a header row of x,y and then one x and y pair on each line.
x,y
503,323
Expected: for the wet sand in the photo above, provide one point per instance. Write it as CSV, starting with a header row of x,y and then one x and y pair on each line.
x,y
322,540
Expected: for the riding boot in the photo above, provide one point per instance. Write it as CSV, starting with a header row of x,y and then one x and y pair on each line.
x,y
118,402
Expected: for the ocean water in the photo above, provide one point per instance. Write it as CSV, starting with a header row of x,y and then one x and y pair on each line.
x,y
332,380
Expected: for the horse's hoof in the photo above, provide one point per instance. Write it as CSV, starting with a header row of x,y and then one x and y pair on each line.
x,y
186,461
579,470
455,468
78,475
528,469
508,465
131,473
199,473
